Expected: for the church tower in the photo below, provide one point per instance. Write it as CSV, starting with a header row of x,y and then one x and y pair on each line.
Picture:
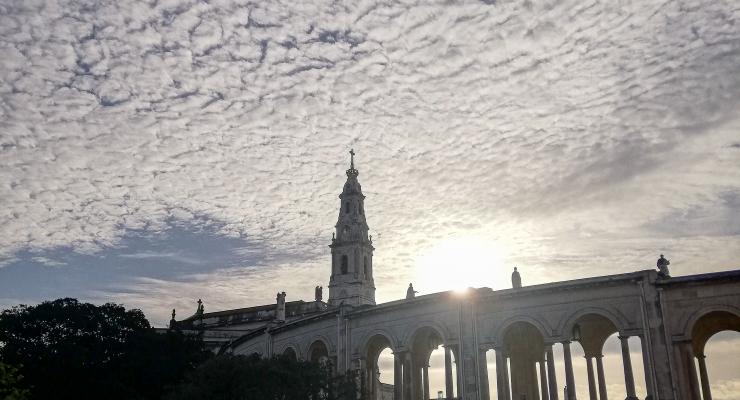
x,y
351,280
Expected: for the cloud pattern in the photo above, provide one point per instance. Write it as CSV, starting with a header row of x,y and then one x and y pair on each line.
x,y
580,136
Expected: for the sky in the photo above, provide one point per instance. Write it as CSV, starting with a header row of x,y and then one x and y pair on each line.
x,y
157,152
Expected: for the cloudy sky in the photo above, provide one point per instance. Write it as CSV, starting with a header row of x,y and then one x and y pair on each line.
x,y
156,152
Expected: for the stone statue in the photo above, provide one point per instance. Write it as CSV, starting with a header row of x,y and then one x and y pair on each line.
x,y
516,279
410,292
280,309
200,309
318,293
173,314
662,265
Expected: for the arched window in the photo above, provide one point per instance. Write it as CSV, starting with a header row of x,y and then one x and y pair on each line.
x,y
345,262
346,206
364,267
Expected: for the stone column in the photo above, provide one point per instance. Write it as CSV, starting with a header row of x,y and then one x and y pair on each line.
x,y
448,374
570,380
552,380
500,395
688,353
705,390
629,380
456,350
417,366
591,380
408,377
507,383
425,377
647,368
397,376
600,374
543,379
485,391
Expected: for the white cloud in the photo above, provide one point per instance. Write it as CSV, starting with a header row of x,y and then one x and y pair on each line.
x,y
586,137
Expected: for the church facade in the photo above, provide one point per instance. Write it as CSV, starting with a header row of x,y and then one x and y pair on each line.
x,y
514,329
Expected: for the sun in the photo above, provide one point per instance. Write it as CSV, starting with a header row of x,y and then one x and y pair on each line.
x,y
459,262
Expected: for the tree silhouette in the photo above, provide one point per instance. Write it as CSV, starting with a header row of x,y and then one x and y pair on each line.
x,y
66,349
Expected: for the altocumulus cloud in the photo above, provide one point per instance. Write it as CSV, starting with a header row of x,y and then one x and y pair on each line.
x,y
582,136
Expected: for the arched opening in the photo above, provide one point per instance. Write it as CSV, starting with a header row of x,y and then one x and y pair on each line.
x,y
346,206
589,333
290,353
344,264
318,352
721,352
717,325
523,350
380,370
431,368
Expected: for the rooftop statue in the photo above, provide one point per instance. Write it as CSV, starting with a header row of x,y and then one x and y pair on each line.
x,y
662,265
410,292
516,279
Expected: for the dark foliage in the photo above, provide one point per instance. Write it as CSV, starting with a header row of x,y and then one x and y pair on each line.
x,y
10,387
229,377
71,350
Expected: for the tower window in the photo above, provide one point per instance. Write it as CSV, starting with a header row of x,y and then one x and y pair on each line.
x,y
345,262
364,267
346,207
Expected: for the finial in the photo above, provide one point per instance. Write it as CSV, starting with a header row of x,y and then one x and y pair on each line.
x,y
352,158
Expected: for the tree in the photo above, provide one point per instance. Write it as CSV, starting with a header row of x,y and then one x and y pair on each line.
x,y
10,384
72,350
239,377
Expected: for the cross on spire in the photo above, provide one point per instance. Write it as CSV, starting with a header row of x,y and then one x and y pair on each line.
x,y
352,158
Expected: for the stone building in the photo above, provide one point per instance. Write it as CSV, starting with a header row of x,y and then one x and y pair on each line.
x,y
673,317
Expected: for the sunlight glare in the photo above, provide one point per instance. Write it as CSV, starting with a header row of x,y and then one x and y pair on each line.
x,y
458,263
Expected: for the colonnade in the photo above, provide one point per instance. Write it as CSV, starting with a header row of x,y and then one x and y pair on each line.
x,y
548,385
411,374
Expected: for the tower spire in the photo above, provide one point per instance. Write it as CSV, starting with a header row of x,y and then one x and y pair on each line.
x,y
351,280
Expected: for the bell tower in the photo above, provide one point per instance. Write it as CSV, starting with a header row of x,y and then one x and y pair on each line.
x,y
351,280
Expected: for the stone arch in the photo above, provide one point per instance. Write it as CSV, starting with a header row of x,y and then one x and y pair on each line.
x,y
565,327
365,341
523,343
373,344
319,347
410,334
288,347
711,323
422,340
291,353
498,334
688,323
595,326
